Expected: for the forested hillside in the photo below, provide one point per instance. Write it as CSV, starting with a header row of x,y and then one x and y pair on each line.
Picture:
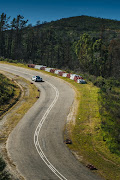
x,y
56,44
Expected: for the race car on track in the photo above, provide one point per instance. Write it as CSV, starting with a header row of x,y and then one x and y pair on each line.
x,y
37,79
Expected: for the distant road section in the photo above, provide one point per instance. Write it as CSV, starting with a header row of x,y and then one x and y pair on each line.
x,y
36,144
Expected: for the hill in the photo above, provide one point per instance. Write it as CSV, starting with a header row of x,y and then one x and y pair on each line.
x,y
84,23
55,44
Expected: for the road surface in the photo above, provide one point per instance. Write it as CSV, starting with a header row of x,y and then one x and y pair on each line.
x,y
36,144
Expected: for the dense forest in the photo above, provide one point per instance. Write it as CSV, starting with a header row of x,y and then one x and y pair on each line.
x,y
84,43
80,44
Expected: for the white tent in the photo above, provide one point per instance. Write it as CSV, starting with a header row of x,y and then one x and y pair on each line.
x,y
38,66
64,74
57,71
72,76
48,69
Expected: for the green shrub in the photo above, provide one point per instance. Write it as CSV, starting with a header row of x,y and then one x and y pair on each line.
x,y
100,82
2,164
2,59
4,175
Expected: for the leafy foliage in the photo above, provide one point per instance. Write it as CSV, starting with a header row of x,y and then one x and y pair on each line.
x,y
99,57
109,99
4,175
2,164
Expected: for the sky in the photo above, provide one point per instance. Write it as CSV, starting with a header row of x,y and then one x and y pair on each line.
x,y
51,10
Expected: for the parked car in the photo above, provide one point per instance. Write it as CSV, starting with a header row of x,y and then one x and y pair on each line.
x,y
37,79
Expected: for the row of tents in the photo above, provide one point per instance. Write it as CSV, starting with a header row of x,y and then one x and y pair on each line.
x,y
79,79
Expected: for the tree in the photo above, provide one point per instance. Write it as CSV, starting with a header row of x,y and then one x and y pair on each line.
x,y
100,57
18,24
93,55
84,51
114,58
3,27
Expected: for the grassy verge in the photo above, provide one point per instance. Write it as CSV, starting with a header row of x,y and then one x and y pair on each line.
x,y
27,101
12,100
87,136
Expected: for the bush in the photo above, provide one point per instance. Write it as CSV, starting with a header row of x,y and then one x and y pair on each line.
x,y
2,164
100,82
2,58
4,175
10,60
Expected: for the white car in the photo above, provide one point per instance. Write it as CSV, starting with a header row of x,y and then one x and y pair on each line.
x,y
37,79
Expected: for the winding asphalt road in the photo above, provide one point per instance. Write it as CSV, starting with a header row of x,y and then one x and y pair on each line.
x,y
36,144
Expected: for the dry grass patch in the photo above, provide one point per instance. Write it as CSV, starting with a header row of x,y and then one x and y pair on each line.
x,y
23,106
17,93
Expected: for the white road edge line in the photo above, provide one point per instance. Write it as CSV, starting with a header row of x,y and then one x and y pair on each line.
x,y
37,131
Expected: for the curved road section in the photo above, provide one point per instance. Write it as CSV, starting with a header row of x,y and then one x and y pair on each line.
x,y
36,143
